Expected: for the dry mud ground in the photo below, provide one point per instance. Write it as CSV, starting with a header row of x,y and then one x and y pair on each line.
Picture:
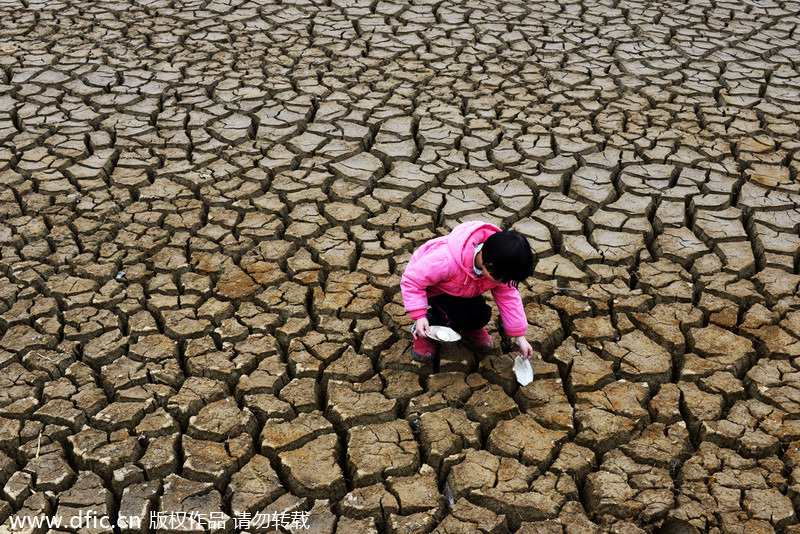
x,y
205,208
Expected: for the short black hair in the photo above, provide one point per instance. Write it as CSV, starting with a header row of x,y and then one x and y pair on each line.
x,y
508,257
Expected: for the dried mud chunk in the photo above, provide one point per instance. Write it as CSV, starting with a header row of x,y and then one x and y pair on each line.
x,y
375,340
595,329
348,407
303,394
575,461
184,324
182,497
53,362
418,523
770,505
123,373
416,493
320,517
776,342
546,497
63,286
61,412
253,487
759,444
774,382
451,385
103,453
346,525
313,469
446,432
625,489
361,168
498,369
350,367
544,330
51,472
659,445
621,248
138,500
195,393
158,423
466,517
234,284
526,440
547,402
424,403
454,359
640,359
161,457
154,347
18,488
666,281
699,405
338,254
125,476
35,505
589,371
725,384
401,385
665,324
680,245
265,406
221,420
722,347
612,416
665,405
574,519
105,349
278,436
490,405
370,501
723,433
481,469
121,415
215,462
351,295
549,526
380,450
86,494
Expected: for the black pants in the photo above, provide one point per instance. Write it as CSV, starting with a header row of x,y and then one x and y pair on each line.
x,y
459,313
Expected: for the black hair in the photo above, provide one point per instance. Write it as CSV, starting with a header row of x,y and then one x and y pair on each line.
x,y
508,257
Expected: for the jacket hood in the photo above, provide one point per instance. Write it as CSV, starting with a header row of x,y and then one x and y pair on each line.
x,y
462,241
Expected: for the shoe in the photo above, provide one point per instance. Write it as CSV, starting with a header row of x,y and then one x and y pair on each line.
x,y
479,339
424,348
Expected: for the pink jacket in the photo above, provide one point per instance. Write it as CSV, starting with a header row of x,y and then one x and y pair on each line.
x,y
444,265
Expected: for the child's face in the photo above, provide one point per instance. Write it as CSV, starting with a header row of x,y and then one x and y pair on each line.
x,y
480,265
488,275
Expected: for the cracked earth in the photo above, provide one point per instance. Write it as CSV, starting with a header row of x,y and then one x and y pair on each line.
x,y
206,207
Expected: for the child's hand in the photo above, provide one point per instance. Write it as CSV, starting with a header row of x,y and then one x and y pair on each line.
x,y
524,347
422,328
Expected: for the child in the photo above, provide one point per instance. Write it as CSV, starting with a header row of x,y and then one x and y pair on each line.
x,y
450,273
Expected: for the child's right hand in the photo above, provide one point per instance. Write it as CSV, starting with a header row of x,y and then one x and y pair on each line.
x,y
422,328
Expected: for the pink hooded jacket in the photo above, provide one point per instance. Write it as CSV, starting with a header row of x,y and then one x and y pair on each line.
x,y
444,265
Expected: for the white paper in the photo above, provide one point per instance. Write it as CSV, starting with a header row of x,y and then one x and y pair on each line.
x,y
443,333
523,370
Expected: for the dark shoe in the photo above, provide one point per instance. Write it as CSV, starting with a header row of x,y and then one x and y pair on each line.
x,y
479,339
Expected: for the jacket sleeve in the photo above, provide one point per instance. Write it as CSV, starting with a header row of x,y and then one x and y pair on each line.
x,y
512,312
422,272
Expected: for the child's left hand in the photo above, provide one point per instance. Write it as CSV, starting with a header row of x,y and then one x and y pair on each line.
x,y
524,347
